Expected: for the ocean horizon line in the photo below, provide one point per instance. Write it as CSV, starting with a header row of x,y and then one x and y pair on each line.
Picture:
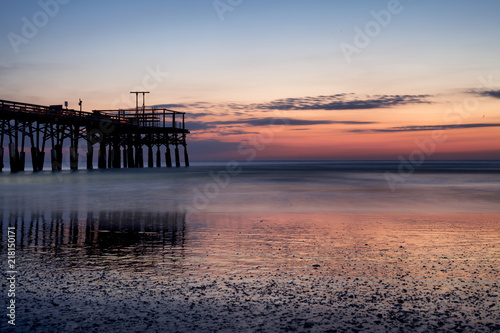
x,y
405,167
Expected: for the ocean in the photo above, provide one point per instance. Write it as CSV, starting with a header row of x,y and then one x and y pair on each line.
x,y
232,246
276,186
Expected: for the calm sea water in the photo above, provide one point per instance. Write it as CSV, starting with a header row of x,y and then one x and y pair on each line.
x,y
270,186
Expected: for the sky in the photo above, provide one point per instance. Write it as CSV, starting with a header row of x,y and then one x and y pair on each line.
x,y
273,80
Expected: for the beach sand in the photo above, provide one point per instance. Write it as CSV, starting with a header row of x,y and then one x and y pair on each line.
x,y
234,272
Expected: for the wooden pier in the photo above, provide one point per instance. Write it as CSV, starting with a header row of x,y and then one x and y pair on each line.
x,y
120,136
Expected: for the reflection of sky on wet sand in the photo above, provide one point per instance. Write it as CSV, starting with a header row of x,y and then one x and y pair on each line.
x,y
348,244
330,269
341,244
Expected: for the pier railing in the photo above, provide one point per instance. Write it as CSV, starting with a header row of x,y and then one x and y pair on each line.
x,y
150,117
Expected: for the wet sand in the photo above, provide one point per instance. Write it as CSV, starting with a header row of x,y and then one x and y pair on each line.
x,y
271,272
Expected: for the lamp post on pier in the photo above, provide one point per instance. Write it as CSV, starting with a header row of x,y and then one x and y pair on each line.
x,y
143,102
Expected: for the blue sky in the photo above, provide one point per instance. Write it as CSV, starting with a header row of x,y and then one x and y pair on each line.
x,y
261,51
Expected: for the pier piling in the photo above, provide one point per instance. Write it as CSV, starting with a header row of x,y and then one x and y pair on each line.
x,y
101,158
139,157
168,157
111,156
125,157
90,155
73,158
150,157
34,158
186,157
1,159
117,162
177,159
131,161
53,159
59,156
158,157
41,159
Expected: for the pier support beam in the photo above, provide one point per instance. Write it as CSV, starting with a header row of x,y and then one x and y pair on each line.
x,y
101,158
150,157
22,159
73,149
139,157
131,161
158,158
22,154
186,157
168,157
1,144
53,159
117,162
56,157
73,158
59,156
41,160
177,158
35,153
110,156
13,157
90,155
125,157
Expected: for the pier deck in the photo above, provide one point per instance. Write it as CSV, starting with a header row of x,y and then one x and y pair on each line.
x,y
120,135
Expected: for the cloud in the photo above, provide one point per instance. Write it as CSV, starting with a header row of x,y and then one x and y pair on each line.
x,y
169,106
341,102
423,128
189,112
269,121
288,121
199,125
194,115
490,93
344,101
212,149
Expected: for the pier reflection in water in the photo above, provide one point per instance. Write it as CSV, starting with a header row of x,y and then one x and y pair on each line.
x,y
101,238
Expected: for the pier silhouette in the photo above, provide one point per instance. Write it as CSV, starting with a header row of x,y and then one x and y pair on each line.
x,y
120,135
